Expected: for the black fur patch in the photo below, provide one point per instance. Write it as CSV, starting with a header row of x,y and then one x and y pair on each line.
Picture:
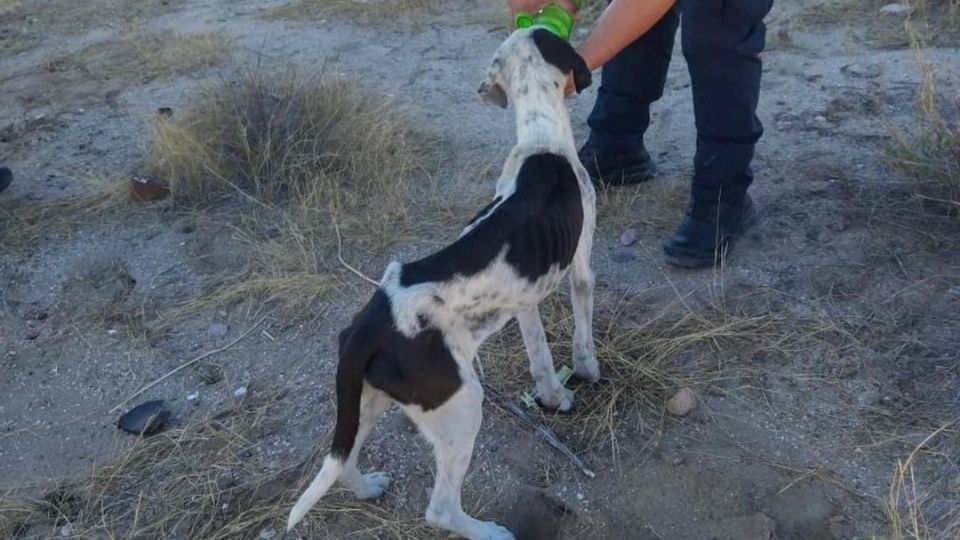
x,y
419,371
541,223
561,54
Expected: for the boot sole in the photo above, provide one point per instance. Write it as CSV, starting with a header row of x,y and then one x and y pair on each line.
x,y
749,220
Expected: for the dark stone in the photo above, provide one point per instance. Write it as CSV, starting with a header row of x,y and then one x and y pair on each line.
x,y
145,419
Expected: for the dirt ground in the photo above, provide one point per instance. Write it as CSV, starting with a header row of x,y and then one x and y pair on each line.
x,y
827,349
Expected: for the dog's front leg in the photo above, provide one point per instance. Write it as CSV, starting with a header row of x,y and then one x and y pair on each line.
x,y
452,429
581,293
550,390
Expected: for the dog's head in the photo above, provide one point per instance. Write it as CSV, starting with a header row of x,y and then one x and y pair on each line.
x,y
534,56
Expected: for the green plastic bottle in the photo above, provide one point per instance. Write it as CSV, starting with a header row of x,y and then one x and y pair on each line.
x,y
551,17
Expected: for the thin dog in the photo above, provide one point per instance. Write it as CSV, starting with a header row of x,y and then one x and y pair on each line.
x,y
416,340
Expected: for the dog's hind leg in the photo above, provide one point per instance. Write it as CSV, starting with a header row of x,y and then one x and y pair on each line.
x,y
452,429
373,404
550,390
585,363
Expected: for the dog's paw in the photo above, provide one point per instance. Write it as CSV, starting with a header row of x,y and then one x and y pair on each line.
x,y
587,368
489,530
375,484
561,400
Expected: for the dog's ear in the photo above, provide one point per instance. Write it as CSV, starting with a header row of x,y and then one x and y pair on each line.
x,y
561,54
493,92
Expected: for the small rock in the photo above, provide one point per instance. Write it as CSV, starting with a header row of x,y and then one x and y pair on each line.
x,y
268,534
894,9
623,257
217,331
145,419
579,496
955,290
240,393
684,401
165,111
193,396
32,336
629,236
861,71
66,531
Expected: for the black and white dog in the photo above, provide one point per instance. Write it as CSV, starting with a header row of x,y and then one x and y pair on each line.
x,y
415,341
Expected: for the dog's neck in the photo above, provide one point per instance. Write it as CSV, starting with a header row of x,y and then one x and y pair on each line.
x,y
542,118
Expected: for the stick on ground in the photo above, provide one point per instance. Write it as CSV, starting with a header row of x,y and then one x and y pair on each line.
x,y
186,365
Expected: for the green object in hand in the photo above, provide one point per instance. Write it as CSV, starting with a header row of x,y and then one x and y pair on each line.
x,y
551,17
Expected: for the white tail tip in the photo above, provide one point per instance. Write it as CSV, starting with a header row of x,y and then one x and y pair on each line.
x,y
328,474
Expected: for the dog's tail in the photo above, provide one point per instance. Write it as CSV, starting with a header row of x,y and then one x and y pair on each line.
x,y
358,344
332,467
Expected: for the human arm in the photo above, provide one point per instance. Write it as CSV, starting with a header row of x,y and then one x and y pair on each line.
x,y
620,25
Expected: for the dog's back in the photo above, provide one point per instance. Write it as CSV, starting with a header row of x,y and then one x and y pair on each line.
x,y
511,255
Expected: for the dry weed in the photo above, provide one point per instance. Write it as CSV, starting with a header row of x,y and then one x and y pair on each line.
x,y
301,155
24,222
929,154
325,143
645,361
210,479
658,204
909,504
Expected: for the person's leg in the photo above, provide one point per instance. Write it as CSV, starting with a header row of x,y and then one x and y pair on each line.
x,y
630,82
722,41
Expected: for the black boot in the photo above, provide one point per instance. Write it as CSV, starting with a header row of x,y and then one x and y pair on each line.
x,y
6,177
708,230
617,169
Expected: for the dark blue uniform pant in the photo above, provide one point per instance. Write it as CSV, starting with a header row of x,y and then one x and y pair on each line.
x,y
721,40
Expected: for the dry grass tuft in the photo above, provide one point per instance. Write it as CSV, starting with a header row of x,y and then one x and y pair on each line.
x,y
209,479
909,505
646,357
302,155
658,204
24,222
281,138
929,154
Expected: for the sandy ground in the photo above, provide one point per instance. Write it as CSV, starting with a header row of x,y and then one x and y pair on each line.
x,y
795,442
